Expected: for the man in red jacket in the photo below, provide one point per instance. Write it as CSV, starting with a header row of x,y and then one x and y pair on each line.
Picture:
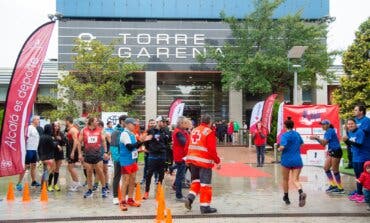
x,y
201,157
260,138
180,143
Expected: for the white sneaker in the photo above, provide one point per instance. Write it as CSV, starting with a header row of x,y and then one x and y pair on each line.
x,y
74,186
115,201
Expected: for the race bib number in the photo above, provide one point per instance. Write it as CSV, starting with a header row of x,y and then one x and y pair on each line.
x,y
92,139
135,154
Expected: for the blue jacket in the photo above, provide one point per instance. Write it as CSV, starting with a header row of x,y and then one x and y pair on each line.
x,y
127,157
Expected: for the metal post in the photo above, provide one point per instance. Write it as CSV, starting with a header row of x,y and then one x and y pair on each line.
x,y
295,91
295,87
275,153
249,140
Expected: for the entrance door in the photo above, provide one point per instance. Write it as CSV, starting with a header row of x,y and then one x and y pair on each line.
x,y
193,112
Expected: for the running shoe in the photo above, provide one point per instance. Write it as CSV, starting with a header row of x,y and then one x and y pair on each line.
x,y
115,201
35,184
123,206
103,193
19,187
56,187
353,197
88,193
95,187
331,188
360,199
107,189
302,199
146,196
50,188
338,191
132,203
286,200
74,187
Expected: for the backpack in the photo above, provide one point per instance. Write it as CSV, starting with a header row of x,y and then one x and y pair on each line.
x,y
115,136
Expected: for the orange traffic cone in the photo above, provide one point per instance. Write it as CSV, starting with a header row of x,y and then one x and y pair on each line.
x,y
44,193
168,216
26,193
10,194
138,193
120,193
160,210
159,189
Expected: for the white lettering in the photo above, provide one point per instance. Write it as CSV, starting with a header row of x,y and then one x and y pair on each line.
x,y
124,52
163,51
199,39
86,37
196,52
125,35
181,53
218,50
143,36
181,38
163,38
143,52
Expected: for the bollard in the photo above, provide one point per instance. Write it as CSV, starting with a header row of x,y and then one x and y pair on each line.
x,y
249,140
275,153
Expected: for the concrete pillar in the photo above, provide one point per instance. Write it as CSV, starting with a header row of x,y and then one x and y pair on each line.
x,y
321,90
299,98
150,95
236,106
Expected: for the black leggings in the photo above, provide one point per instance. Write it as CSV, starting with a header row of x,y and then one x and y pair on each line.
x,y
154,165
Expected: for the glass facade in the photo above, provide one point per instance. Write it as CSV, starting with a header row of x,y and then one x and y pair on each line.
x,y
201,92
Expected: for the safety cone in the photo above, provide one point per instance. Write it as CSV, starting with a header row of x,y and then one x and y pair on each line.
x,y
120,193
159,189
138,193
160,210
168,216
26,193
44,193
10,194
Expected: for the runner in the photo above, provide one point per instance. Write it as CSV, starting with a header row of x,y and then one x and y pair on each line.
x,y
202,155
156,148
151,124
107,136
291,161
32,143
128,158
115,153
332,158
59,141
73,155
93,138
46,152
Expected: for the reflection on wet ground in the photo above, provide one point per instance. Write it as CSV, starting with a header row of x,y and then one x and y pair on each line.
x,y
238,196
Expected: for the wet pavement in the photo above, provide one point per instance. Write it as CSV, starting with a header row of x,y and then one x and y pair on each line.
x,y
241,193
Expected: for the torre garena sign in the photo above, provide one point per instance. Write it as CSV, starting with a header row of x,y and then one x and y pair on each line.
x,y
170,45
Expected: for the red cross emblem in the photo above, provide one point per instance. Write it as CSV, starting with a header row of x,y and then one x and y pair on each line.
x,y
195,136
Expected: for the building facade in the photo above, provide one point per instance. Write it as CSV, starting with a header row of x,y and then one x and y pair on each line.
x,y
165,37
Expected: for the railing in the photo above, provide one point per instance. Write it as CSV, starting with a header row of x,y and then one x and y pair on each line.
x,y
240,138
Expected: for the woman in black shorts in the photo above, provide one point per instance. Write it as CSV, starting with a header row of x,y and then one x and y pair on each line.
x,y
46,151
59,141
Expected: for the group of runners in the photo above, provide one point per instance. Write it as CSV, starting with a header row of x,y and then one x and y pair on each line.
x,y
192,149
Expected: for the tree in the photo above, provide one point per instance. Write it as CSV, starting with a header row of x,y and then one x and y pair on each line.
x,y
98,81
256,60
355,86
